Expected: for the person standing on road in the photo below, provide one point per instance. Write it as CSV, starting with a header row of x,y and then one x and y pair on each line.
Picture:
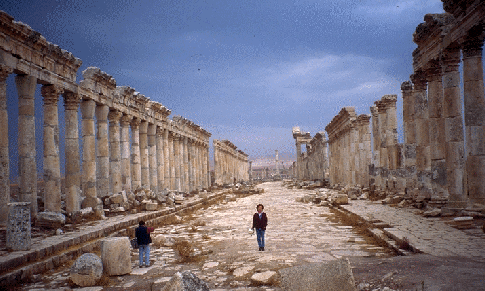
x,y
143,238
260,221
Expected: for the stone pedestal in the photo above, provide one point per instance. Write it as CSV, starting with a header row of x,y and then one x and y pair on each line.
x,y
18,226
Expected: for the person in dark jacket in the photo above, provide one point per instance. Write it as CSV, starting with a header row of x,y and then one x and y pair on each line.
x,y
260,221
144,240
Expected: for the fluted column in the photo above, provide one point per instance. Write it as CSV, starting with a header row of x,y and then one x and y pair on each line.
x,y
102,151
160,159
166,159
452,111
4,152
89,154
145,170
135,154
52,170
115,184
125,153
474,115
152,154
186,165
72,167
436,129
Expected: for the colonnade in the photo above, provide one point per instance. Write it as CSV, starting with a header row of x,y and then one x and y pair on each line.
x,y
127,140
443,163
312,164
349,145
230,164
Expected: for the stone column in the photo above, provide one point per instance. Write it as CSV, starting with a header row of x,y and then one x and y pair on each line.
x,y
474,115
89,154
176,161
421,116
172,161
160,159
436,130
191,164
4,153
52,170
409,134
197,167
72,167
208,168
186,165
168,150
455,160
115,184
125,152
145,171
376,145
152,153
102,151
26,141
135,154
181,162
298,160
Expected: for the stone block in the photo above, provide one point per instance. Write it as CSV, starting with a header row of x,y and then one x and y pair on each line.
x,y
116,198
18,227
50,219
150,206
115,255
185,281
86,270
264,278
334,275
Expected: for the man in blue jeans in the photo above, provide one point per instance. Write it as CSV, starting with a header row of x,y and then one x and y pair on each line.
x,y
144,240
260,221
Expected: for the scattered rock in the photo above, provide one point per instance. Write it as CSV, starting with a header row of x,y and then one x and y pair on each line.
x,y
264,278
86,270
432,213
185,281
243,271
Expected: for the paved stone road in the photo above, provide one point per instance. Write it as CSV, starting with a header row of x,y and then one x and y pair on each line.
x,y
297,233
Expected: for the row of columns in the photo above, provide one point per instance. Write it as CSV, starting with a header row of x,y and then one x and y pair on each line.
x,y
230,165
156,158
349,148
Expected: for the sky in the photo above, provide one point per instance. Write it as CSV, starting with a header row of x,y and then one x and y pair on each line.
x,y
246,71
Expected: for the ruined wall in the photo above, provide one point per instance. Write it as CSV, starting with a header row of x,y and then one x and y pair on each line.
x,y
230,164
161,153
312,164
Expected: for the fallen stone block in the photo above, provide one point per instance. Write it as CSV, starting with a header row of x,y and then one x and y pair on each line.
x,y
340,199
264,278
432,213
50,219
334,275
185,281
116,198
115,255
86,270
150,206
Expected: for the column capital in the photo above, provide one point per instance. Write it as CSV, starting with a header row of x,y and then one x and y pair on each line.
x,y
114,116
125,120
406,87
434,71
71,100
160,130
450,59
50,93
4,72
472,46
419,81
135,123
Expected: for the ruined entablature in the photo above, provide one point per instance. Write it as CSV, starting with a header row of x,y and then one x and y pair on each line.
x,y
341,123
161,112
363,120
386,102
100,83
434,26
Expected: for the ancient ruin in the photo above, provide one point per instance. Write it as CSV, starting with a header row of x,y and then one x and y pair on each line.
x,y
311,164
230,164
440,158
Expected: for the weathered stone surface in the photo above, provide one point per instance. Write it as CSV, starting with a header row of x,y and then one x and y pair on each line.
x,y
340,199
264,278
185,281
116,198
50,219
150,206
18,226
86,270
329,276
432,213
243,271
115,255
